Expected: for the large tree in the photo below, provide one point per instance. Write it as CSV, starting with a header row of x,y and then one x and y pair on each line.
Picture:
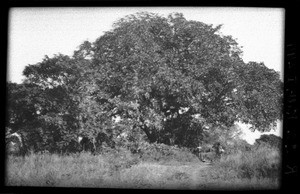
x,y
170,80
160,72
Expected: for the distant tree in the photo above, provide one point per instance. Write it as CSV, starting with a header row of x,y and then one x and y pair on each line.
x,y
270,140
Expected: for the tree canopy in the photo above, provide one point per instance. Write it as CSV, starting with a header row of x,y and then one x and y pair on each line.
x,y
168,79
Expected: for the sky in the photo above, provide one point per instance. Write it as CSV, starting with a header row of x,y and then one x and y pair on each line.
x,y
36,32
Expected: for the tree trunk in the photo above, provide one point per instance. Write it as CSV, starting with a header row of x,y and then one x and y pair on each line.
x,y
152,137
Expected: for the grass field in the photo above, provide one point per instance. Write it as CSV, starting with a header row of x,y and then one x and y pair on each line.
x,y
253,170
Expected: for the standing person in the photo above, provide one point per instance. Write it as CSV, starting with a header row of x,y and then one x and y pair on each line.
x,y
218,149
200,150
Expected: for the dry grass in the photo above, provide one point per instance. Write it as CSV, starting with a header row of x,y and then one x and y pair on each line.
x,y
251,170
54,170
256,169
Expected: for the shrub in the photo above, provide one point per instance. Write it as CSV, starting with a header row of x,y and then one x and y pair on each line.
x,y
263,162
120,158
238,145
164,153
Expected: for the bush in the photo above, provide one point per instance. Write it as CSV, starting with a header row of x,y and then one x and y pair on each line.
x,y
119,159
238,145
163,153
261,163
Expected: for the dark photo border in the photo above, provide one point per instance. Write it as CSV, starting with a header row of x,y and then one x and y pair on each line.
x,y
290,160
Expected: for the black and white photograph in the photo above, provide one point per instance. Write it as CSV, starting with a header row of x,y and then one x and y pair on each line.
x,y
185,98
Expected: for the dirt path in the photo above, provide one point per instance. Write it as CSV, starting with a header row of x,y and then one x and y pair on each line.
x,y
194,171
166,176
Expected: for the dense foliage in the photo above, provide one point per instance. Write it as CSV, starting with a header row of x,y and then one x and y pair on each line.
x,y
167,79
269,140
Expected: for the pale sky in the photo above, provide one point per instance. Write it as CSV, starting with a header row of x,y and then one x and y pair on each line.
x,y
36,32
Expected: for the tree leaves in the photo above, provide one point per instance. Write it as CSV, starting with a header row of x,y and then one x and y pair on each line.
x,y
155,73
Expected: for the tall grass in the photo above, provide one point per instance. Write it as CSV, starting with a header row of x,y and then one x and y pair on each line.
x,y
55,170
256,168
84,170
167,168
